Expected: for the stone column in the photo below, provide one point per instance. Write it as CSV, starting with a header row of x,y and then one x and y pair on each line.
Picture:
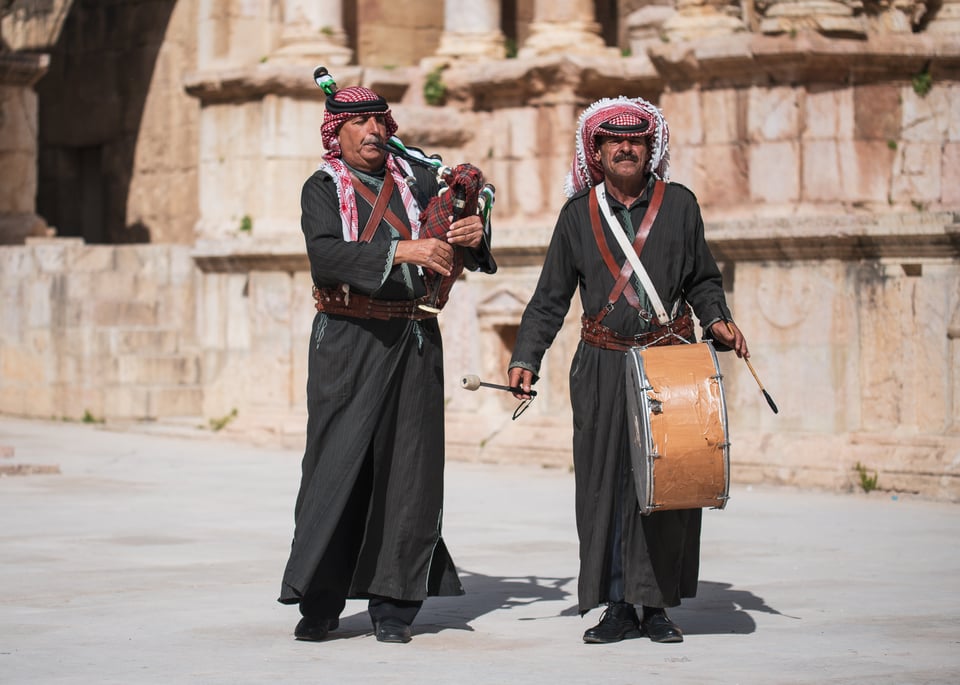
x,y
564,27
471,30
19,117
829,17
313,32
704,18
947,20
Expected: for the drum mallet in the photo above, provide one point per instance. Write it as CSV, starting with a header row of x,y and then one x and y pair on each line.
x,y
769,399
474,382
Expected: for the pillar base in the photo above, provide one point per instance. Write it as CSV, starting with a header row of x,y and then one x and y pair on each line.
x,y
580,38
457,45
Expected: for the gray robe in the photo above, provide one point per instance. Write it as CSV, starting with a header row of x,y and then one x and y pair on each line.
x,y
369,510
660,551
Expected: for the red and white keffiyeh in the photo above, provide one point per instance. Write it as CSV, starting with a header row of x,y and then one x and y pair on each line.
x,y
346,104
586,172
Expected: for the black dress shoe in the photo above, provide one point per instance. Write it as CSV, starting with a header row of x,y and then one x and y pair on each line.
x,y
618,622
392,630
659,628
315,629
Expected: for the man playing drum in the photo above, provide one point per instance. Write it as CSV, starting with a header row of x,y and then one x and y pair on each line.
x,y
618,179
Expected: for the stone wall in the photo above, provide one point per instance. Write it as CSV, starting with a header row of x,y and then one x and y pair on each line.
x,y
827,169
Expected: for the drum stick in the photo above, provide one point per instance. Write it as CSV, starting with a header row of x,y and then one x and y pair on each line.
x,y
769,399
473,382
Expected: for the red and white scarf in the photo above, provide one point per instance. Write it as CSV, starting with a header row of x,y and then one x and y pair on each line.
x,y
585,171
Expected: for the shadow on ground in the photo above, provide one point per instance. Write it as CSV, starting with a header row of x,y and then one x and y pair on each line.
x,y
484,594
717,609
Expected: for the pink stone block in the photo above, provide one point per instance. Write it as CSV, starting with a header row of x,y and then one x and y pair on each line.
x,y
950,188
774,172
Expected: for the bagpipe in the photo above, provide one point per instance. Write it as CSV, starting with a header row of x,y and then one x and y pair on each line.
x,y
462,192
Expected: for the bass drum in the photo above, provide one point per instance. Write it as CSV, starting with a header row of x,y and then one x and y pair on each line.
x,y
679,444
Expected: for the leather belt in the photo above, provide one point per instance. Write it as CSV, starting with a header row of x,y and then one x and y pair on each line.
x,y
596,334
336,301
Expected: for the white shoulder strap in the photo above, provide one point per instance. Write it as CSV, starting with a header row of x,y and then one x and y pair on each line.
x,y
632,257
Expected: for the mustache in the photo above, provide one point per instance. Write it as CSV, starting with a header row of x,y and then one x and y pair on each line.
x,y
625,156
372,139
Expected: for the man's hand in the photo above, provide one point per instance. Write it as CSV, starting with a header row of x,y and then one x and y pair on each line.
x,y
520,378
731,337
466,232
431,253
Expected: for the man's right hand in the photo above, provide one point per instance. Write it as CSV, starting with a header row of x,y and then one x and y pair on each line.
x,y
520,378
431,253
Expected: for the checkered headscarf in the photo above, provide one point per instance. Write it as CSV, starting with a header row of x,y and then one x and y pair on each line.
x,y
348,103
620,112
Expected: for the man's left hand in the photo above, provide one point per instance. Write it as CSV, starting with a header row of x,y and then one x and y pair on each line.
x,y
731,337
466,232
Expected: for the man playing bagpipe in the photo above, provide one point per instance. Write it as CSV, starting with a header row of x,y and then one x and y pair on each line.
x,y
368,512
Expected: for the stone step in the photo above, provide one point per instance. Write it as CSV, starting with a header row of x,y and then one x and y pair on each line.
x,y
150,402
153,369
157,341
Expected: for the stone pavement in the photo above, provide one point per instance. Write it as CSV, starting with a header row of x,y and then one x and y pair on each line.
x,y
156,558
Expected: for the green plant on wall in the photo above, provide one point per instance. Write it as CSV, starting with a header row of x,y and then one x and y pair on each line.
x,y
246,224
434,90
867,482
922,83
221,423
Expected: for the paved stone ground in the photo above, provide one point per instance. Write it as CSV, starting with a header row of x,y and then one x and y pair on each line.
x,y
152,558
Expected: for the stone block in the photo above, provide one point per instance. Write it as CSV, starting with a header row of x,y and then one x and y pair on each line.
x,y
828,114
280,183
124,313
774,172
516,132
149,341
236,304
926,118
916,174
29,365
953,113
52,255
721,112
773,114
141,369
870,176
877,112
39,302
231,131
722,178
950,176
18,121
285,121
686,168
126,402
91,258
75,401
685,117
18,182
828,166
529,187
115,284
175,401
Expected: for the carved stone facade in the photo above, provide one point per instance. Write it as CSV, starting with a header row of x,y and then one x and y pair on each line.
x,y
821,138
